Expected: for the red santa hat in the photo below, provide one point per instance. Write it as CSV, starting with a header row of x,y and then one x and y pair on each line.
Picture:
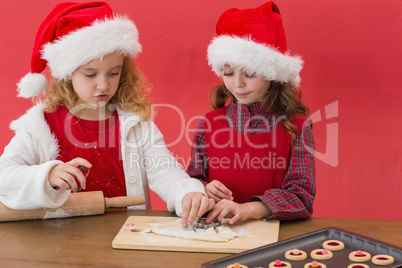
x,y
72,35
255,40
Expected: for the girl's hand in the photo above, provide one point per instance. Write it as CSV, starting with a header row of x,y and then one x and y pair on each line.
x,y
218,191
228,208
195,205
63,176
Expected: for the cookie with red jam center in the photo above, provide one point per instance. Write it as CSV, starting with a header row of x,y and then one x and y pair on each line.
x,y
359,256
382,259
333,245
315,264
281,264
321,254
295,255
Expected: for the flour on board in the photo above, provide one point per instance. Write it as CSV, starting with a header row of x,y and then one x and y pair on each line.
x,y
218,234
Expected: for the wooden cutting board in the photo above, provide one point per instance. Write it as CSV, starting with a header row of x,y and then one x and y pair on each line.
x,y
255,233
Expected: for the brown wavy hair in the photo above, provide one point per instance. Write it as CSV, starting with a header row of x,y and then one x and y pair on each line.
x,y
280,97
131,95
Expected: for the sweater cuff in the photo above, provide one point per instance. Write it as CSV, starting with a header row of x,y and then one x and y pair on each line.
x,y
270,205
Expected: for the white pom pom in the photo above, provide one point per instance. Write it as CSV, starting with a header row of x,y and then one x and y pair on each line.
x,y
31,85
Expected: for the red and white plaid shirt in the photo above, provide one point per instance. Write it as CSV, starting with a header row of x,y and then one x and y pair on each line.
x,y
296,196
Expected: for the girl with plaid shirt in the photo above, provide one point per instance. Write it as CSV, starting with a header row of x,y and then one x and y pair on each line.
x,y
254,151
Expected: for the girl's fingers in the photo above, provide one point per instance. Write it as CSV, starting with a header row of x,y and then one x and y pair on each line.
x,y
186,204
206,205
222,209
203,207
70,180
220,190
223,213
69,175
211,204
62,184
195,207
213,195
184,218
76,162
213,214
235,218
81,178
221,187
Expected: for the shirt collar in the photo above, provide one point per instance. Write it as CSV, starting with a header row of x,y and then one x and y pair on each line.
x,y
256,108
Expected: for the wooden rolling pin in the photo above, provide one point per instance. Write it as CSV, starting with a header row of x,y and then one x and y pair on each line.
x,y
78,204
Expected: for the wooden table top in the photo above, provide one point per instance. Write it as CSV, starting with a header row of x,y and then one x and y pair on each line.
x,y
87,241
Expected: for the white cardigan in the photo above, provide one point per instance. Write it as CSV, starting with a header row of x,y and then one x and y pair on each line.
x,y
32,153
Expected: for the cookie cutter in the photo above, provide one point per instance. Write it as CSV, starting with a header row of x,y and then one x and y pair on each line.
x,y
201,224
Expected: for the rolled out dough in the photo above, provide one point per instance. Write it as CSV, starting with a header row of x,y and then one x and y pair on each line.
x,y
220,234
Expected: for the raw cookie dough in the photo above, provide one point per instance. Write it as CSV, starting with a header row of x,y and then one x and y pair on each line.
x,y
382,259
359,256
279,263
295,255
333,245
321,254
220,234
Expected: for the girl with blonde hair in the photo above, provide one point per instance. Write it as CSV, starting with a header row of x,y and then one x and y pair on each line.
x,y
93,116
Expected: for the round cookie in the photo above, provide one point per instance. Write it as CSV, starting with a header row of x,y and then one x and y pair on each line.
x,y
314,264
333,245
295,255
321,254
382,259
359,256
358,265
237,265
279,263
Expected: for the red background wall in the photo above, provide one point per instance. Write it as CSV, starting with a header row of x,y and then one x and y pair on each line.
x,y
351,78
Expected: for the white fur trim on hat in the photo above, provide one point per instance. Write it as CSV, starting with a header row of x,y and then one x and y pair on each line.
x,y
31,85
78,48
264,61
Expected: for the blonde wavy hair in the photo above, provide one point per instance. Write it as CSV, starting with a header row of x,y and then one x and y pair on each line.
x,y
131,95
280,97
